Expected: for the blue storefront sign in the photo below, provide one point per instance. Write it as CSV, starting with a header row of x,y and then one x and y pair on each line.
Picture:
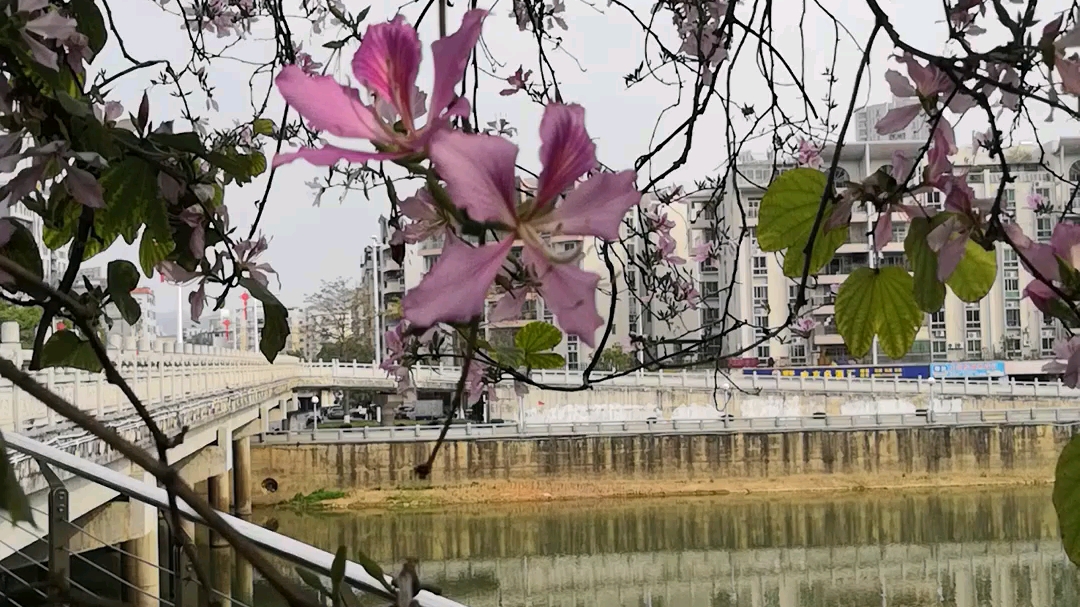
x,y
969,369
901,371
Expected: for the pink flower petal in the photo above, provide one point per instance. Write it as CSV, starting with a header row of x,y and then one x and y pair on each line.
x,y
1040,295
479,174
388,62
945,136
455,289
450,56
949,241
899,85
566,152
1037,257
508,307
52,25
1069,70
570,293
901,166
1066,243
897,119
883,230
596,207
329,155
419,206
329,106
84,188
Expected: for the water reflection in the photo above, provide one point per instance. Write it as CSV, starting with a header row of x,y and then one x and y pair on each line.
x,y
991,549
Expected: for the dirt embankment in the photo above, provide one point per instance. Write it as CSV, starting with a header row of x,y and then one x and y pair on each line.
x,y
508,492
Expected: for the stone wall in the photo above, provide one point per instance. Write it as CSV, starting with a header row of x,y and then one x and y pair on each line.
x,y
1023,452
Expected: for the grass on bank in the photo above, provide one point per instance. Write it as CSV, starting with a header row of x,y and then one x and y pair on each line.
x,y
313,500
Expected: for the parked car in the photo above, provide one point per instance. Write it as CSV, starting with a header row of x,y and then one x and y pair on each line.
x,y
335,412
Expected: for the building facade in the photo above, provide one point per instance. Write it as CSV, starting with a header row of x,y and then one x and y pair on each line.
x,y
1002,326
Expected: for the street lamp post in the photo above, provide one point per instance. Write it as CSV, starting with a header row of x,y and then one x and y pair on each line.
x,y
315,413
376,278
930,407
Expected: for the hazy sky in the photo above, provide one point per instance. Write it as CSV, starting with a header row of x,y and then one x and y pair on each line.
x,y
602,45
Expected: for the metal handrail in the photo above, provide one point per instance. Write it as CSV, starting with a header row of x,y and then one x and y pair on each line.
x,y
280,545
870,421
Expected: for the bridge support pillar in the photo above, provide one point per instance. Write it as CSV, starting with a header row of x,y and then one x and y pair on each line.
x,y
242,477
141,575
217,493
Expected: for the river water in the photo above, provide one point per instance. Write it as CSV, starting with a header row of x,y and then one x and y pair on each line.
x,y
995,548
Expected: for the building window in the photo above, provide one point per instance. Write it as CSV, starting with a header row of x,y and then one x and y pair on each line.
x,y
752,206
1044,193
760,265
798,354
429,261
935,200
938,318
1010,199
1044,227
1012,318
572,352
974,344
972,317
763,352
1012,346
1012,284
1048,321
939,350
761,293
1046,345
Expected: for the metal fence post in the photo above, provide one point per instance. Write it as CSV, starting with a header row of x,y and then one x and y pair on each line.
x,y
58,533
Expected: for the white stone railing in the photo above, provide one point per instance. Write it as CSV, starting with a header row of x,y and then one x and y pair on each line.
x,y
172,378
157,378
707,380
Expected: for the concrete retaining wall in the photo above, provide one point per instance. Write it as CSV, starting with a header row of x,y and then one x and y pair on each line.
x,y
1023,452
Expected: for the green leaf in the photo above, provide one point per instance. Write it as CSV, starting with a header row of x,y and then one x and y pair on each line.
x,y
337,574
131,195
311,580
91,23
276,329
537,337
789,208
23,249
929,292
157,241
507,356
241,167
73,106
373,569
123,278
263,126
1067,497
12,497
825,246
975,273
66,349
544,360
185,142
878,302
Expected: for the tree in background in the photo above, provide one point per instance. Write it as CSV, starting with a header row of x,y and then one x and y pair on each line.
x,y
27,317
614,358
353,347
337,319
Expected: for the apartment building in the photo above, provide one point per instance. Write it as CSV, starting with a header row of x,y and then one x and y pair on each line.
x,y
1001,326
